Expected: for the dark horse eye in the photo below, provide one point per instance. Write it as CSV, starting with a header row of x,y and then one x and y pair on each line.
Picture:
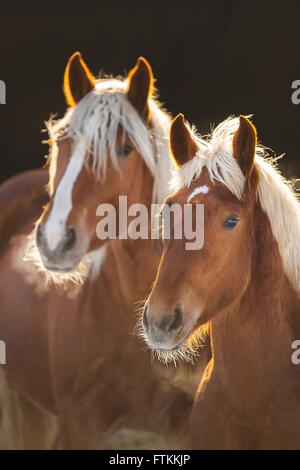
x,y
231,222
125,151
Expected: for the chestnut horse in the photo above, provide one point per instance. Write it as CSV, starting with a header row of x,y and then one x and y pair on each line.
x,y
68,298
244,284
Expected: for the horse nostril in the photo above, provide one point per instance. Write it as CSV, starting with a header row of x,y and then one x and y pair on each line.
x,y
70,239
177,321
145,319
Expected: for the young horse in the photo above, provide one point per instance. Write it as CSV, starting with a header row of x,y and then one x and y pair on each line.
x,y
76,337
244,284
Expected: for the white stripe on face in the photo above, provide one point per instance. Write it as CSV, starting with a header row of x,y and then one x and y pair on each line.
x,y
201,190
62,202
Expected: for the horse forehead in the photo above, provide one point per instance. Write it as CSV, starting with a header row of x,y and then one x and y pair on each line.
x,y
208,192
201,189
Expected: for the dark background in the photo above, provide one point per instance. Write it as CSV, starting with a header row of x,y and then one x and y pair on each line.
x,y
210,58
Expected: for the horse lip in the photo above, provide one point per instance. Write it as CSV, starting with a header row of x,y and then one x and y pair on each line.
x,y
54,267
178,346
181,342
58,269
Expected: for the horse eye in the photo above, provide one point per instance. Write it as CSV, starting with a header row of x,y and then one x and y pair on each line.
x,y
125,151
231,222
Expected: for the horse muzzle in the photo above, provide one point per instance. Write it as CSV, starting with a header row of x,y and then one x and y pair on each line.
x,y
164,331
65,256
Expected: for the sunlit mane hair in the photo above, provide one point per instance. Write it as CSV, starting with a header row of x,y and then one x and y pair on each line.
x,y
275,194
95,122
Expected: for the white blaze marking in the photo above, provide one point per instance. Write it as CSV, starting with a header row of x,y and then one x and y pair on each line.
x,y
200,190
62,203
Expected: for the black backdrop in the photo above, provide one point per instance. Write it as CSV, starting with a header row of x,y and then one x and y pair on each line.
x,y
210,58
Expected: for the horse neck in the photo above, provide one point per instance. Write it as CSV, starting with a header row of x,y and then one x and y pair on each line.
x,y
252,338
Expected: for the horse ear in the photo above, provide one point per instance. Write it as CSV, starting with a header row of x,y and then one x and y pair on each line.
x,y
182,144
78,79
140,86
244,145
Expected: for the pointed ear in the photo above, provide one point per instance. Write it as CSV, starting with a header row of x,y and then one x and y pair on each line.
x,y
78,79
182,144
140,86
244,145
